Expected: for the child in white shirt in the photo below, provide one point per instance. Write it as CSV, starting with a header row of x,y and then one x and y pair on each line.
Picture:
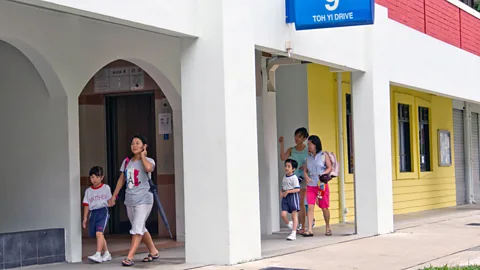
x,y
290,197
95,203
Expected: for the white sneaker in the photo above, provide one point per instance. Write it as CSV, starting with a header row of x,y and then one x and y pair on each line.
x,y
290,225
106,257
299,227
97,257
292,236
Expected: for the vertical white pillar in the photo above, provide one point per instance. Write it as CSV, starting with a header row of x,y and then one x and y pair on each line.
x,y
262,168
262,161
372,140
270,146
73,233
341,156
179,186
467,134
222,218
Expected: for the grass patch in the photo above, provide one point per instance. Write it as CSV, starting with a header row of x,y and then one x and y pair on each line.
x,y
469,267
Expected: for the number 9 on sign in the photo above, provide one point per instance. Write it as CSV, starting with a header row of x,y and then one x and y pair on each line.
x,y
332,5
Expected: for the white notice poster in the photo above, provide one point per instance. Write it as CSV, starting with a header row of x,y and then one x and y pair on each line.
x,y
164,123
137,82
101,81
119,83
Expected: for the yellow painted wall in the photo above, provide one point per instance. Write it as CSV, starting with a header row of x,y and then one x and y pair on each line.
x,y
323,121
419,191
412,192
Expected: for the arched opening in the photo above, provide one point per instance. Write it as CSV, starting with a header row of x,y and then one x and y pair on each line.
x,y
35,166
119,101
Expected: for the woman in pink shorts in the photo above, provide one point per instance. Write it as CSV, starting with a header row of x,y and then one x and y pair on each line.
x,y
318,163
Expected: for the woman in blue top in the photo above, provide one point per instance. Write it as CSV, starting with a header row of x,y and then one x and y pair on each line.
x,y
298,153
318,163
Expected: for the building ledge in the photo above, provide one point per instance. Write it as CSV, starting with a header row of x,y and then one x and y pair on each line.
x,y
465,8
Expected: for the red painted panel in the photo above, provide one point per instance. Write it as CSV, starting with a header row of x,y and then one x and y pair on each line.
x,y
470,34
439,19
407,12
443,21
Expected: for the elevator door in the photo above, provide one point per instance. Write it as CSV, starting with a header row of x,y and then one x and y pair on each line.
x,y
126,116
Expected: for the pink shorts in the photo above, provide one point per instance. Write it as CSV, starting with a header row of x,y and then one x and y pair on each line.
x,y
312,193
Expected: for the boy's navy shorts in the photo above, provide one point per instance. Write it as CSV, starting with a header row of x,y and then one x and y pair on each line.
x,y
98,221
291,203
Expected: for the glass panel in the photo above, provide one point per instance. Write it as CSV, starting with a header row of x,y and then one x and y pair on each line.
x,y
424,139
349,132
404,138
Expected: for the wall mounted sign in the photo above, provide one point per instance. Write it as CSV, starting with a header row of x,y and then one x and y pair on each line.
x,y
315,14
444,148
119,79
164,123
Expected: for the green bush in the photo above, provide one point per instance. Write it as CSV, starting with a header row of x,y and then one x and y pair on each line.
x,y
476,5
470,267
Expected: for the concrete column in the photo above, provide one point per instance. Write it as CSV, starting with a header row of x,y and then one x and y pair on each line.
x,y
73,233
372,141
262,168
179,186
268,155
467,134
270,146
222,217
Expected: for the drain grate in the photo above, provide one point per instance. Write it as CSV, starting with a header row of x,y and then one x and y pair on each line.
x,y
473,224
281,268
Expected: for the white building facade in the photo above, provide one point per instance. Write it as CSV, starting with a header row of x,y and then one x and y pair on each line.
x,y
202,55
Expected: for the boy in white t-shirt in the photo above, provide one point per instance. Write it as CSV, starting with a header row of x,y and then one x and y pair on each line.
x,y
290,197
96,203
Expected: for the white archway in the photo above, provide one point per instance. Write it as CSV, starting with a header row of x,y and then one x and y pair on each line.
x,y
172,94
43,66
88,96
35,121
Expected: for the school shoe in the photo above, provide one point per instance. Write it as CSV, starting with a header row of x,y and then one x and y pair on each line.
x,y
292,236
290,225
106,257
97,257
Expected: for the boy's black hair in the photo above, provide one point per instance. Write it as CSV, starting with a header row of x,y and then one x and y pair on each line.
x,y
317,142
141,138
97,171
292,162
302,132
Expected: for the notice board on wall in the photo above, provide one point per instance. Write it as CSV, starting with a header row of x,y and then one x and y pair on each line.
x,y
118,79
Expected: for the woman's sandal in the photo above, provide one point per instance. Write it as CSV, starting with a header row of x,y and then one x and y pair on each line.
x,y
328,233
151,258
308,234
127,262
301,231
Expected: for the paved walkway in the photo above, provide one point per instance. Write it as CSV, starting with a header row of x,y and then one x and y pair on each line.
x,y
430,238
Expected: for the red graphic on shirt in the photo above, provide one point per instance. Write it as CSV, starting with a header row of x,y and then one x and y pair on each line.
x,y
132,178
136,182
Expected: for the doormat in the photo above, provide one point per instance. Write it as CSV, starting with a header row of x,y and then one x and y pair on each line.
x,y
473,224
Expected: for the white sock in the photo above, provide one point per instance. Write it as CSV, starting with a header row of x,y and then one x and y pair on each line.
x,y
98,253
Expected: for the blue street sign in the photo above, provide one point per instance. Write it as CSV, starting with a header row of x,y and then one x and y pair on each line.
x,y
315,14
